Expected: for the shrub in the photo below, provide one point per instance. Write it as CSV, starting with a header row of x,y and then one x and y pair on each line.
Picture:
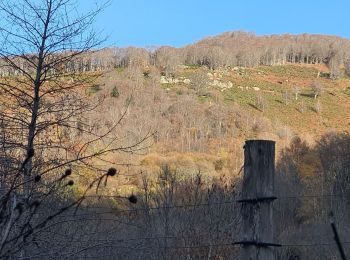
x,y
115,92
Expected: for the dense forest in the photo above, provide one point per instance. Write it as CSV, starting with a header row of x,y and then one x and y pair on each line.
x,y
227,50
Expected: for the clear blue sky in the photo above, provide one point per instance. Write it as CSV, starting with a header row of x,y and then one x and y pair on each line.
x,y
180,22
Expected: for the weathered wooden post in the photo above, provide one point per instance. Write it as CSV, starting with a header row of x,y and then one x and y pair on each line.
x,y
257,197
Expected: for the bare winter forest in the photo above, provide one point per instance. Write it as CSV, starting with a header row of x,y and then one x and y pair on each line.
x,y
136,153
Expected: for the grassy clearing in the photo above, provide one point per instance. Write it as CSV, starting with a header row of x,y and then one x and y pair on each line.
x,y
291,71
300,115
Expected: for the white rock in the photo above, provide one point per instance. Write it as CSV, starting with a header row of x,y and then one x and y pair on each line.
x,y
187,81
256,88
163,80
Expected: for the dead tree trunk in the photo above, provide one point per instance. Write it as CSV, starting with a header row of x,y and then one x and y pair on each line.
x,y
257,198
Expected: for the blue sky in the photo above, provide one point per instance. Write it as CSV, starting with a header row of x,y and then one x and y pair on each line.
x,y
180,22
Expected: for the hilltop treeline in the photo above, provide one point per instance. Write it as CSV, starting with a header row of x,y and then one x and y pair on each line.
x,y
228,49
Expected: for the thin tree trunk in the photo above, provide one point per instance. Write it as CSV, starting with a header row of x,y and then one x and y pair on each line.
x,y
35,108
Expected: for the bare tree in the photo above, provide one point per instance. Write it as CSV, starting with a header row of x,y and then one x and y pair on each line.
x,y
181,226
199,80
260,102
44,103
168,59
296,90
317,88
285,96
137,57
347,67
302,106
318,106
334,61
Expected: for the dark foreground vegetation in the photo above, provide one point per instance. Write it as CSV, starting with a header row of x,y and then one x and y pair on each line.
x,y
176,216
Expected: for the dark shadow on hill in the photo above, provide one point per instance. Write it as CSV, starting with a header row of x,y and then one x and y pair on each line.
x,y
310,182
172,211
255,107
309,95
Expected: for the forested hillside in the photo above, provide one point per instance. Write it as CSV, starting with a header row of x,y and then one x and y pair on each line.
x,y
209,113
150,145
